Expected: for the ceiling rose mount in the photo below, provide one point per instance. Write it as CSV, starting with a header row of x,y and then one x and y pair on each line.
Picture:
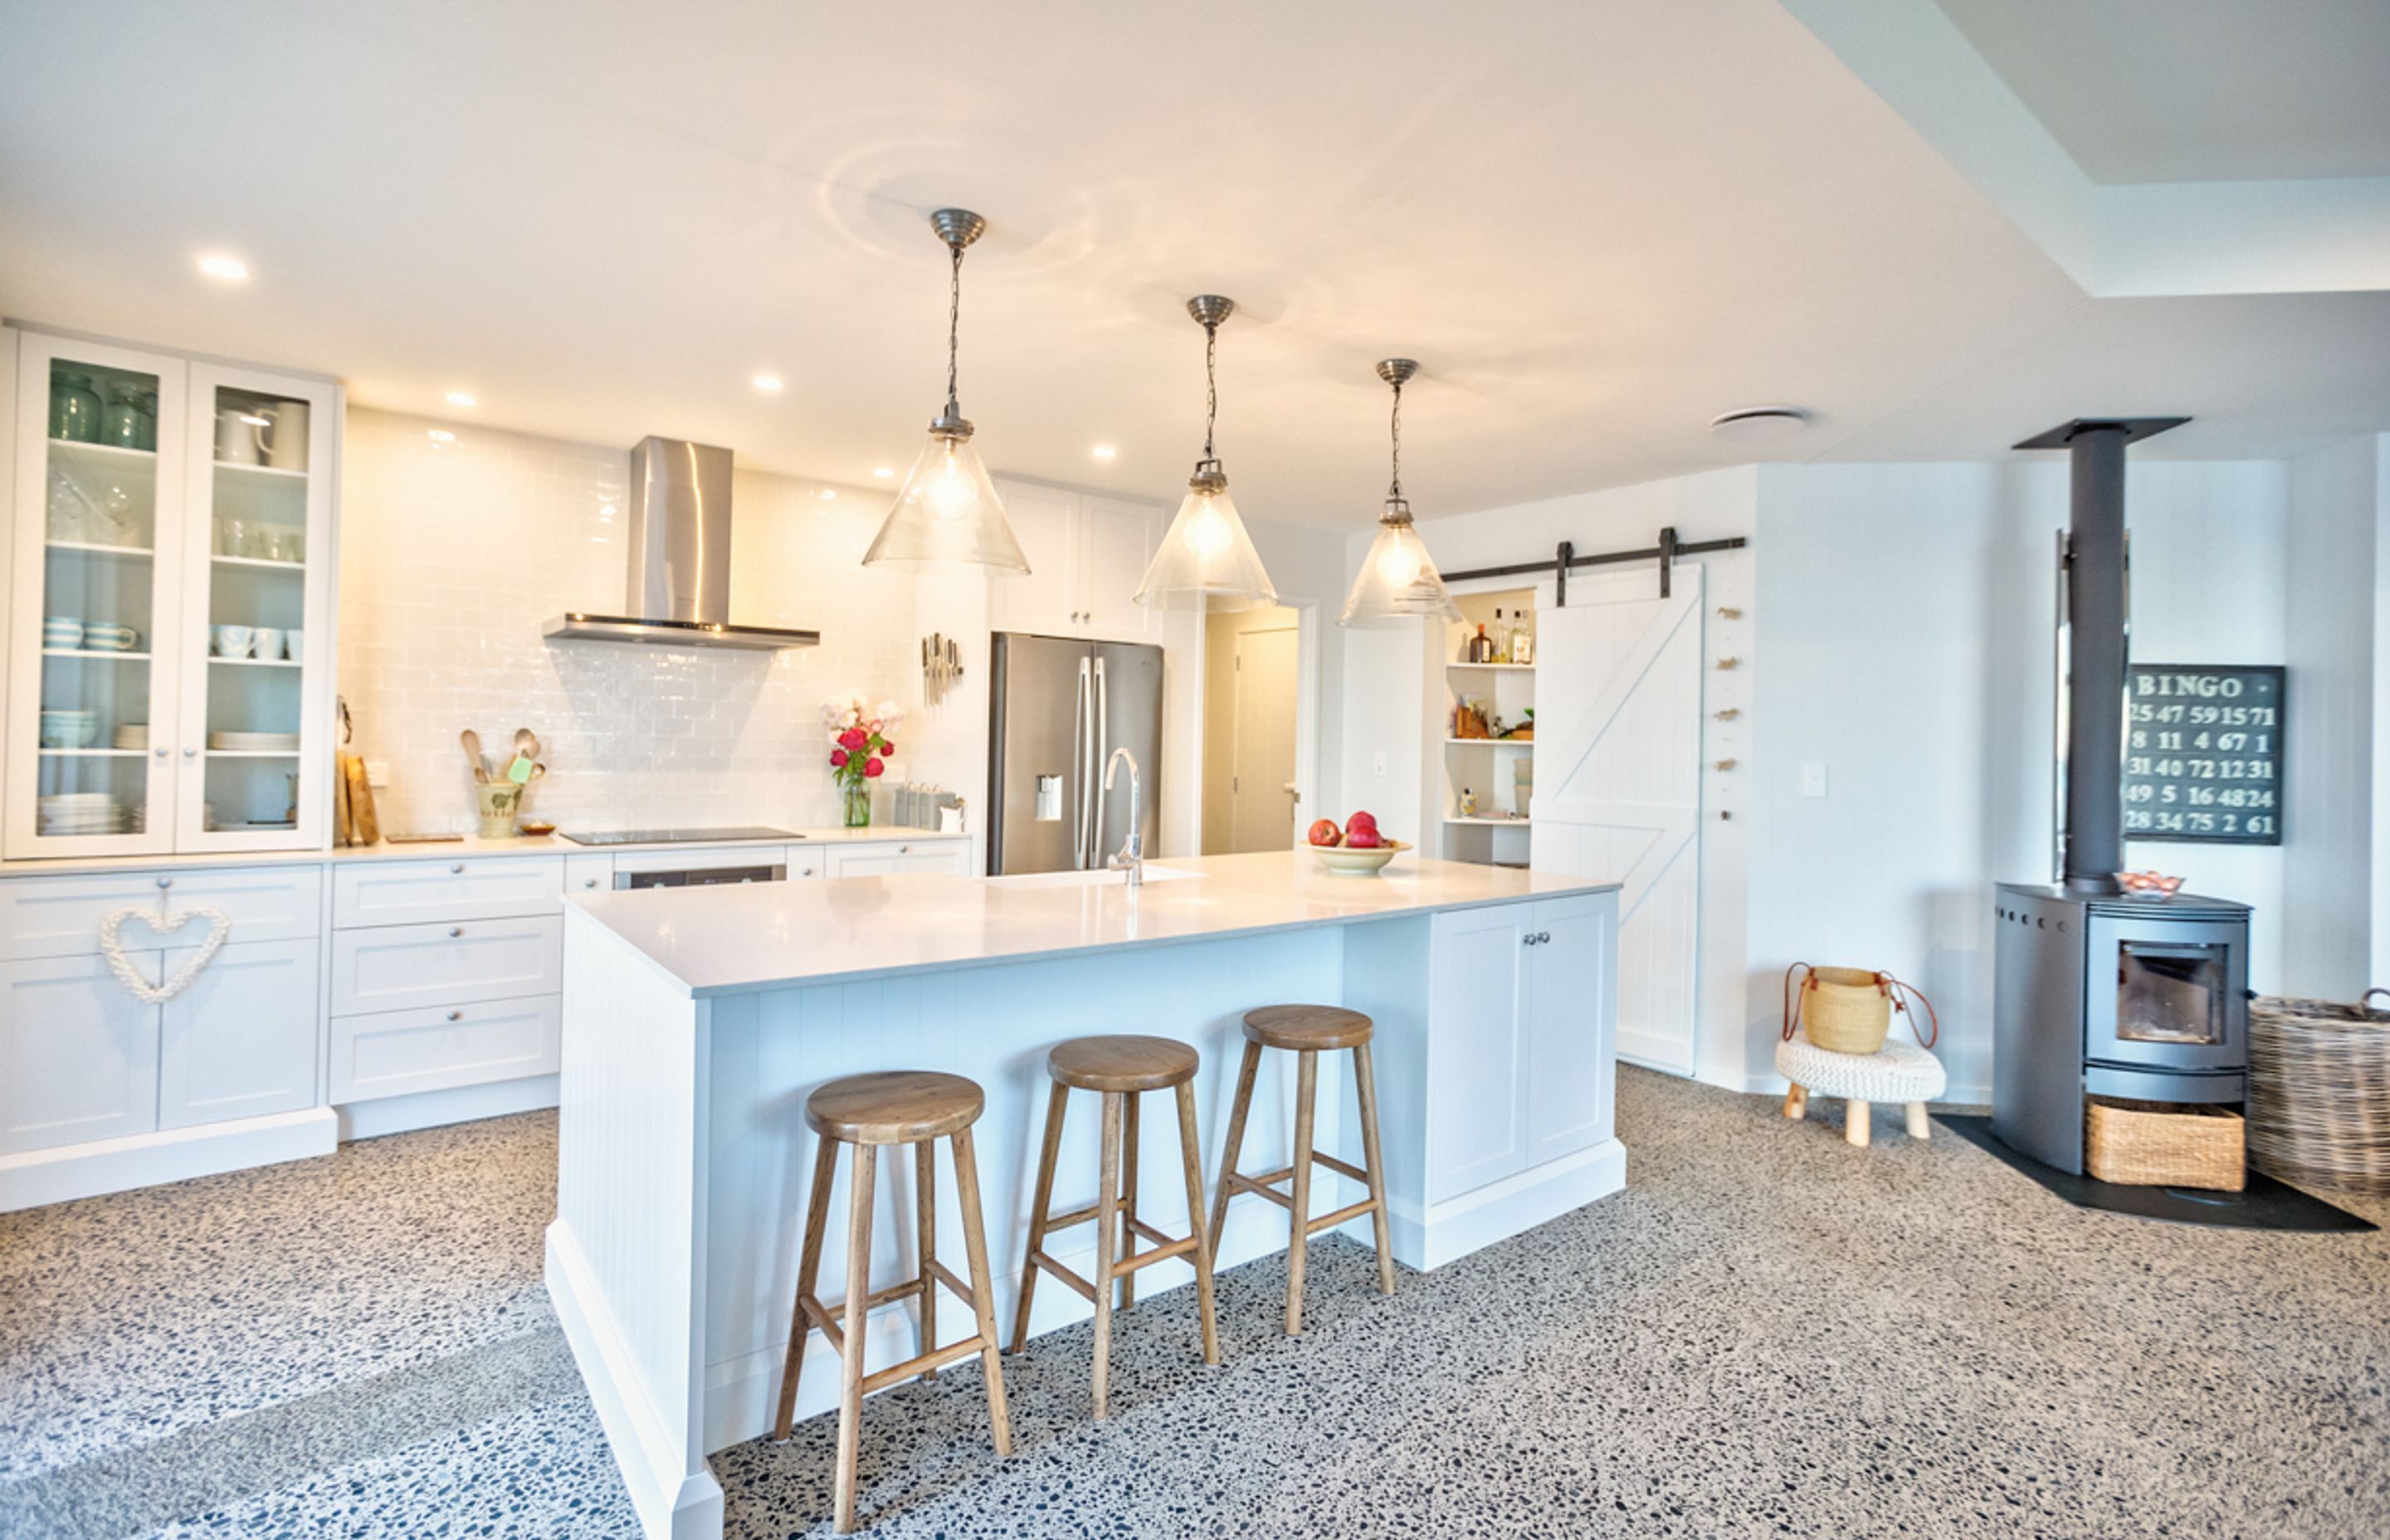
x,y
947,514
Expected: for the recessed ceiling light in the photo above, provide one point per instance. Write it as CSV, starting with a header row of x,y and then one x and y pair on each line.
x,y
1103,451
883,472
218,265
462,398
768,382
828,494
440,435
1756,424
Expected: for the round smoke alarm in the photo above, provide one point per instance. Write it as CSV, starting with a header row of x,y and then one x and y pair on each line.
x,y
1756,424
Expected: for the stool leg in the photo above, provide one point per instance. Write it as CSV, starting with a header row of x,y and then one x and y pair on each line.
x,y
1919,1128
1854,1123
1366,1082
1106,1223
1038,1208
1192,1158
925,1168
850,1359
808,1269
1796,1102
1128,1196
1306,1091
1237,1111
999,1421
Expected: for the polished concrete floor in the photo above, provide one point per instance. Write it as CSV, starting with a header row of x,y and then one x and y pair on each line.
x,y
1768,1333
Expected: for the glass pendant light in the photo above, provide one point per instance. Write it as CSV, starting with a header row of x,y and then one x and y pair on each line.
x,y
1207,561
1398,580
947,513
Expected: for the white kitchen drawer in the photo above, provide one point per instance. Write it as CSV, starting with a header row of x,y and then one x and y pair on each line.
x,y
875,859
393,1053
589,874
59,916
806,862
400,967
406,892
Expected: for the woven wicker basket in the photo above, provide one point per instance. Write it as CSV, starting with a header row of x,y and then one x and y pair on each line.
x,y
1845,1010
2161,1143
2320,1093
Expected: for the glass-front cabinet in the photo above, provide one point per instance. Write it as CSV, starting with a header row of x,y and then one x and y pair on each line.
x,y
170,659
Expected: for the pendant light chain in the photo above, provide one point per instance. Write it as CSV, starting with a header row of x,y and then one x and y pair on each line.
x,y
1394,488
1211,387
953,323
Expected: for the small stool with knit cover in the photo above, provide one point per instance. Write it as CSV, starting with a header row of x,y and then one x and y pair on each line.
x,y
1898,1071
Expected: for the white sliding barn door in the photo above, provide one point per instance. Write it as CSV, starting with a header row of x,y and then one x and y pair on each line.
x,y
1618,783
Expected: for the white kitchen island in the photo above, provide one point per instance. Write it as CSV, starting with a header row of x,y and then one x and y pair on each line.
x,y
698,1020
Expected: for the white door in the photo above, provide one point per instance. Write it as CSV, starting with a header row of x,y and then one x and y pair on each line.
x,y
1044,599
1118,540
78,1053
1618,741
1261,787
1477,1072
240,1041
1569,1084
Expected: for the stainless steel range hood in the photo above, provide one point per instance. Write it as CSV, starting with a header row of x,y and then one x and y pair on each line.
x,y
679,538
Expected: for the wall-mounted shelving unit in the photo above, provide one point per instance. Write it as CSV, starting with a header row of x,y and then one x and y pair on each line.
x,y
1492,767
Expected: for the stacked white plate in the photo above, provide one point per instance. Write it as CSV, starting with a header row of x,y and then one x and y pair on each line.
x,y
132,735
79,812
254,742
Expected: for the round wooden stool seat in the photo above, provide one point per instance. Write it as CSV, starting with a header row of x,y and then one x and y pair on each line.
x,y
1122,1063
894,1106
1308,1028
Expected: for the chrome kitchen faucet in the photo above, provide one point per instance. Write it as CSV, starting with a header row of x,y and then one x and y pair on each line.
x,y
1131,856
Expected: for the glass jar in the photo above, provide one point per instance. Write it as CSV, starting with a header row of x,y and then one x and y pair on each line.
x,y
856,797
75,408
123,423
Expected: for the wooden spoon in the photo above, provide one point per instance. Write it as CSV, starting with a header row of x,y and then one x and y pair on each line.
x,y
526,743
472,742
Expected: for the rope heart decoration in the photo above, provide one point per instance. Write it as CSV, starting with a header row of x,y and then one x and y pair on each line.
x,y
111,943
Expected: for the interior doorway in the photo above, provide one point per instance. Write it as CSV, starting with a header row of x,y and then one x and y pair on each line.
x,y
1252,709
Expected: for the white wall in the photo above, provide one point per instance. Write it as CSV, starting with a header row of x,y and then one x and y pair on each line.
x,y
2340,499
1904,615
452,556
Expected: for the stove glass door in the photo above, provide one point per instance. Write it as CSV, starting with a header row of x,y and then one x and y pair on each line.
x,y
2178,1000
2167,993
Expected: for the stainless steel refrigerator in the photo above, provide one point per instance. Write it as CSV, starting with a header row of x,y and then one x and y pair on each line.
x,y
1057,708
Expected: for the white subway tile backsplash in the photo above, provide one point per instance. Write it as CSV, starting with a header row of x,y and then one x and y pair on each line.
x,y
454,555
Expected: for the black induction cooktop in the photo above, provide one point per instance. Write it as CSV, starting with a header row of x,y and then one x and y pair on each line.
x,y
675,836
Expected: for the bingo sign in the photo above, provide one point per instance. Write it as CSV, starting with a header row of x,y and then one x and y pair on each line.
x,y
2204,753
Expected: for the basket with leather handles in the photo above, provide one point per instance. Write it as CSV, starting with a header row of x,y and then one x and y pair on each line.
x,y
1849,1010
2320,1091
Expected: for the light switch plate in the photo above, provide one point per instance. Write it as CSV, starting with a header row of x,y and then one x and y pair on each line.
x,y
1813,778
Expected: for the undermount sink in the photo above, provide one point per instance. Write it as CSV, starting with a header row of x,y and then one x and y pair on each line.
x,y
1091,879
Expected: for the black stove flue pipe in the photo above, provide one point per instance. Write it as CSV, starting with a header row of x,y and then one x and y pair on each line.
x,y
2096,609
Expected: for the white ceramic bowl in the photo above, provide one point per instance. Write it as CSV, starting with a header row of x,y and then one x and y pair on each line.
x,y
1345,861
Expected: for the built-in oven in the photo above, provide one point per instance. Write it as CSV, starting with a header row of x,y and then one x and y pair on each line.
x,y
2179,999
701,869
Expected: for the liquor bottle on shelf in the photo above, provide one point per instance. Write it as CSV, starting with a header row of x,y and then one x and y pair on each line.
x,y
1523,641
1501,640
1481,647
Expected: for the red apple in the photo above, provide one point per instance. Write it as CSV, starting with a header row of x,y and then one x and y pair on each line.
x,y
1362,820
1363,839
1325,832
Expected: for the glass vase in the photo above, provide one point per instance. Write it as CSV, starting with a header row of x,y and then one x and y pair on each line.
x,y
857,796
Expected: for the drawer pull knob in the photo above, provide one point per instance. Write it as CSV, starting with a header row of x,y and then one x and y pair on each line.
x,y
160,752
455,1016
458,867
903,850
456,930
589,882
165,882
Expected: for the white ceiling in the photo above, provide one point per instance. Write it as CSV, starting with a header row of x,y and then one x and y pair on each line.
x,y
1597,225
2198,90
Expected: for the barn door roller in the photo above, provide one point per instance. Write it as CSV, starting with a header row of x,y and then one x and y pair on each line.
x,y
1665,553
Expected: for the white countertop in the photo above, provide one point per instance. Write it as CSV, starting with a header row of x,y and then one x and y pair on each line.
x,y
472,847
738,939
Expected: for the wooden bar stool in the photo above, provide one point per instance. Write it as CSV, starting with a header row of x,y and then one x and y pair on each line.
x,y
919,1108
1308,1031
1122,1069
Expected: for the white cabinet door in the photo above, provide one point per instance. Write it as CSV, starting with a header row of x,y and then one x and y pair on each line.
x,y
1477,1048
883,860
240,1041
1569,1083
1045,598
78,1054
805,862
1117,540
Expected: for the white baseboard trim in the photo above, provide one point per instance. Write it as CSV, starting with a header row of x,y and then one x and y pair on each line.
x,y
1452,1229
673,1502
40,1176
371,1120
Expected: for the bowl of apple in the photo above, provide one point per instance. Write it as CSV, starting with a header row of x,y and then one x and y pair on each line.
x,y
1355,850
